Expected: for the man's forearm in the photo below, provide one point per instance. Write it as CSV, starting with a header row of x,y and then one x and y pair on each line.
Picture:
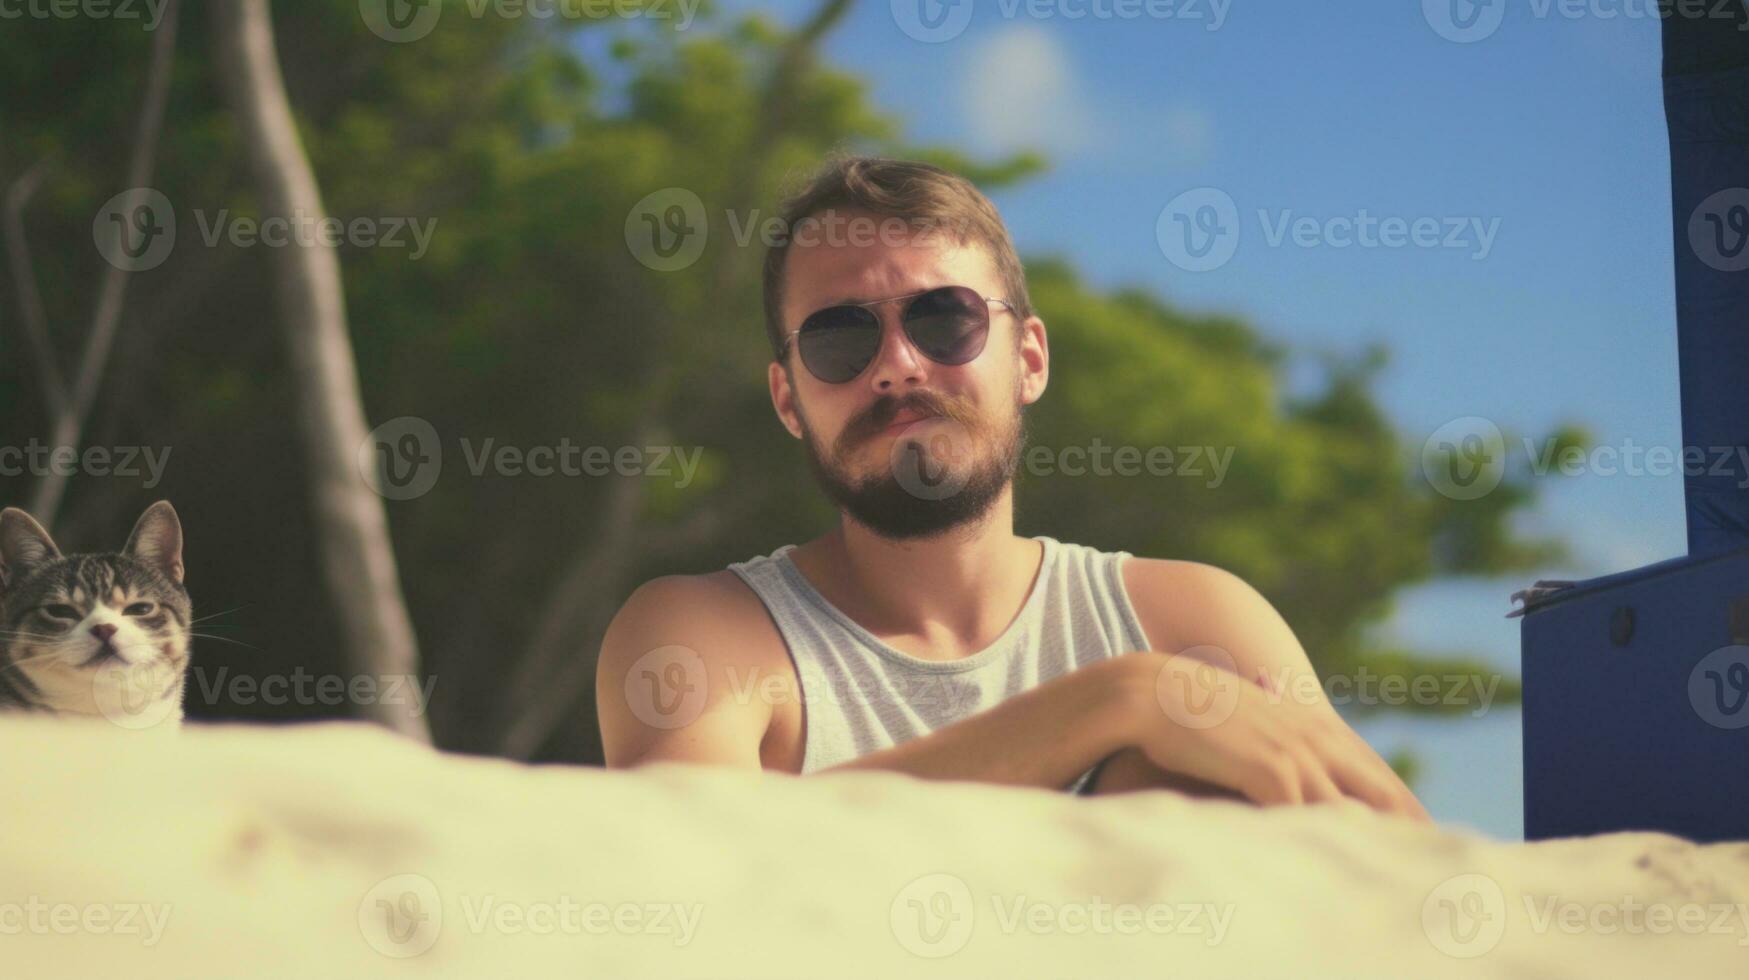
x,y
1042,737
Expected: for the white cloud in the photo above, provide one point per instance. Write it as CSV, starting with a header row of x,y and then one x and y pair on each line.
x,y
1019,91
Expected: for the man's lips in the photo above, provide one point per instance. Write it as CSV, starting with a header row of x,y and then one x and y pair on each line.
x,y
906,418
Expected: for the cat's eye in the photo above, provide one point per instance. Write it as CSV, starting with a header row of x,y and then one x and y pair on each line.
x,y
139,609
58,611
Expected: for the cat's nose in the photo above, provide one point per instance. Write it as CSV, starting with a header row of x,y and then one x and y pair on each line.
x,y
103,631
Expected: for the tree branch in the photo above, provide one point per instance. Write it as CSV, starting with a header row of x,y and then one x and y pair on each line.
x,y
112,290
30,301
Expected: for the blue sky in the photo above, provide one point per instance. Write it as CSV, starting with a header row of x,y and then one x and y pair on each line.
x,y
1549,130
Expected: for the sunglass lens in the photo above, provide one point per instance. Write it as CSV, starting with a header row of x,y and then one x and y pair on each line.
x,y
949,325
837,343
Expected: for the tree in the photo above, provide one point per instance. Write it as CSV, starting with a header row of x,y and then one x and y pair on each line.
x,y
358,562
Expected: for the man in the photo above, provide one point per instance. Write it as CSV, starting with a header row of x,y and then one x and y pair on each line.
x,y
920,634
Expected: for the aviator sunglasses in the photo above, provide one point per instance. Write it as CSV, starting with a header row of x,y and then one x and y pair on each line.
x,y
948,325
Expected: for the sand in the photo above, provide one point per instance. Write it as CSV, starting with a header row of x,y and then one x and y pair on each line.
x,y
338,850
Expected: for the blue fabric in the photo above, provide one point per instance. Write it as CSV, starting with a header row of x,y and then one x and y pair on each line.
x,y
1706,102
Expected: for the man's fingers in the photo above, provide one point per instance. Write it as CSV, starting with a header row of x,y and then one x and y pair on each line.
x,y
1370,780
1315,782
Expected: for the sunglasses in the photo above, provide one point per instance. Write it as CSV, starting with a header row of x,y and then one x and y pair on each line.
x,y
948,325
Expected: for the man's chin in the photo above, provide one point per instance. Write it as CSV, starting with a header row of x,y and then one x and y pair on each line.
x,y
914,521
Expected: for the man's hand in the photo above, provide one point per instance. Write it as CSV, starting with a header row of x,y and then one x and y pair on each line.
x,y
1208,723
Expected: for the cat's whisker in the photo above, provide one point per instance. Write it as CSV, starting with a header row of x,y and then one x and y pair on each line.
x,y
202,619
26,635
39,658
223,639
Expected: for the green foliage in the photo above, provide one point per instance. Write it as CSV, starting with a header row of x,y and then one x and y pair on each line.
x,y
530,321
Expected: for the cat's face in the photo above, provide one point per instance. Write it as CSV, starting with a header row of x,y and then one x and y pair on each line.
x,y
94,634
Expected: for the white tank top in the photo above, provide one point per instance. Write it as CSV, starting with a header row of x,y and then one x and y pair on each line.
x,y
860,695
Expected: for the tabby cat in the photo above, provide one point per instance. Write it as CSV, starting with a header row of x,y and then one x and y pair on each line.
x,y
98,635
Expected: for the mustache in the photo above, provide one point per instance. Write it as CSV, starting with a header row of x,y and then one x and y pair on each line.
x,y
882,413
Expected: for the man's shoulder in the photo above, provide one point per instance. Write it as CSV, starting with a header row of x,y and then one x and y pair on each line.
x,y
715,613
719,597
1178,600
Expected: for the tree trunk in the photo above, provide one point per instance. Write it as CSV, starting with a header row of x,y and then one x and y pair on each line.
x,y
358,562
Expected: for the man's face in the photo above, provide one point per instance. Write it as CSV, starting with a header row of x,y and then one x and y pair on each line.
x,y
909,448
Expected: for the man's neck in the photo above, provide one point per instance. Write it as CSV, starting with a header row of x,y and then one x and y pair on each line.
x,y
957,591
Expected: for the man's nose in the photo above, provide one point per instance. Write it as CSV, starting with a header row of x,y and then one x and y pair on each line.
x,y
897,364
103,631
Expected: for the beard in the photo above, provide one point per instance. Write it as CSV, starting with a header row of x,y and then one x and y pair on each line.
x,y
944,471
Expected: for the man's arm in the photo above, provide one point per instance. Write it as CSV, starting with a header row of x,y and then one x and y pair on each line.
x,y
686,672
1045,736
1184,606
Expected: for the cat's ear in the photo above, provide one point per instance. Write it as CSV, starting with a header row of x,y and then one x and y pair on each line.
x,y
157,540
23,545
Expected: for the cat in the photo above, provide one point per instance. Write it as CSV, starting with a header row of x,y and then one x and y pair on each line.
x,y
95,635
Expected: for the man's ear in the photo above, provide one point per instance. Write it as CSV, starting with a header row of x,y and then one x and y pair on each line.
x,y
1035,360
157,540
783,398
24,545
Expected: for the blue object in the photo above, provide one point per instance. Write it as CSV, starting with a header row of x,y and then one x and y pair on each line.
x,y
1636,685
